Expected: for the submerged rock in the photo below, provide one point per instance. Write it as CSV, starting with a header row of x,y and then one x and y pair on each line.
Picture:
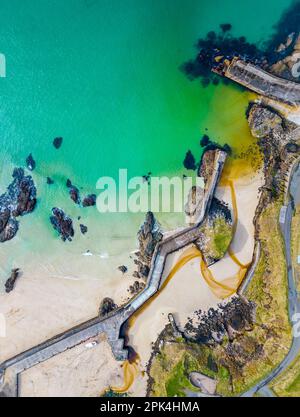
x,y
189,161
10,283
62,223
57,142
18,200
68,183
50,181
89,200
74,194
73,191
30,162
83,228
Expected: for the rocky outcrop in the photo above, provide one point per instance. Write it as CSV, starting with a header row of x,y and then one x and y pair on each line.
x,y
74,192
107,305
288,67
18,200
264,121
230,319
62,224
207,165
189,161
30,162
149,235
57,142
136,287
89,200
10,283
279,143
83,229
123,269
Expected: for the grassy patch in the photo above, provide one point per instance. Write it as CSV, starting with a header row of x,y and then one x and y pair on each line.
x,y
295,244
287,384
217,238
171,368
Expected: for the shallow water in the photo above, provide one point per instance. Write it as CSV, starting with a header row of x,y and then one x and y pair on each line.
x,y
105,76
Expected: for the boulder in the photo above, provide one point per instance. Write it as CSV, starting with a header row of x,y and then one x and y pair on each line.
x,y
107,305
83,228
57,142
89,200
62,224
30,162
10,283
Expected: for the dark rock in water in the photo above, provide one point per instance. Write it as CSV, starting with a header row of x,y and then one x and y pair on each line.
x,y
19,199
57,142
62,223
107,305
225,27
50,181
10,283
79,217
83,228
30,162
10,230
4,218
74,194
189,161
204,140
68,183
89,200
73,191
123,268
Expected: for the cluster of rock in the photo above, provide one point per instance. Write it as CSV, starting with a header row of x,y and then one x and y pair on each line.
x,y
288,67
149,235
10,283
228,320
136,287
207,164
62,223
279,141
107,305
18,200
88,201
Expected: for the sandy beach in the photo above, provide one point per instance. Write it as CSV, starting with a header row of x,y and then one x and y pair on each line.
x,y
84,371
48,300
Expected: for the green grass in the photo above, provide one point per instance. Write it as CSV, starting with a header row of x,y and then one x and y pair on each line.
x,y
218,236
287,384
222,236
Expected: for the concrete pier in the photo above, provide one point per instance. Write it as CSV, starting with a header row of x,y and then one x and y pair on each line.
x,y
262,82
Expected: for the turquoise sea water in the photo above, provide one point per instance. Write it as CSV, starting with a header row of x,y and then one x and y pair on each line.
x,y
104,74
